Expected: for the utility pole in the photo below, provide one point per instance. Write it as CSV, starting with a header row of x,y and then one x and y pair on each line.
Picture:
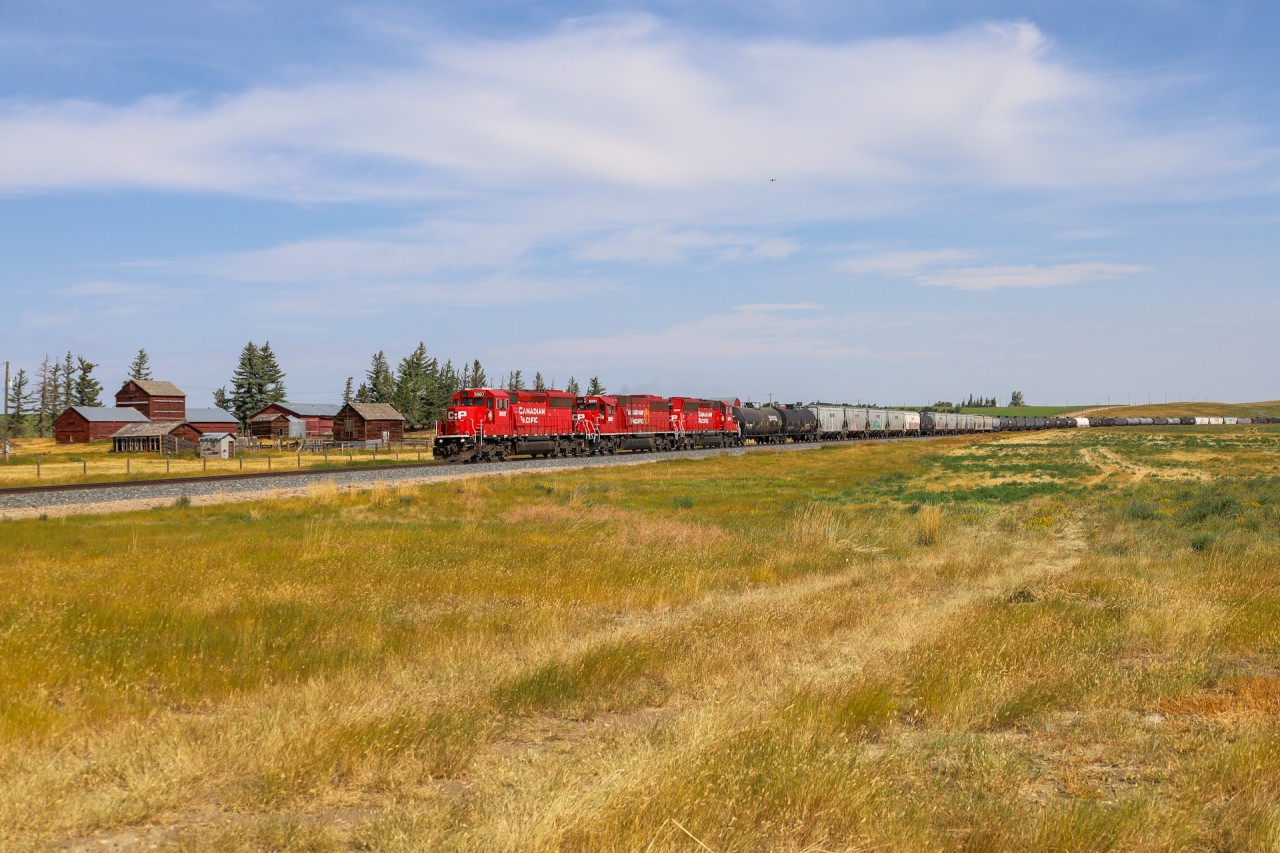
x,y
5,439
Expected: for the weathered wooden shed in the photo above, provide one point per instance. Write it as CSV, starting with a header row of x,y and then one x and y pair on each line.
x,y
152,437
159,401
93,423
213,420
317,416
218,445
277,425
368,422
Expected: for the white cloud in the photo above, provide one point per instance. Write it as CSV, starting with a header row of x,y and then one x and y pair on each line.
x,y
1028,275
657,245
630,105
947,268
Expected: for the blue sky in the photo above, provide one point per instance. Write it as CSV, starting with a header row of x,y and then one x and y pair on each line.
x,y
896,202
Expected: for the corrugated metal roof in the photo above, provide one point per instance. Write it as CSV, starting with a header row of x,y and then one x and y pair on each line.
x,y
311,410
215,436
111,414
157,387
210,416
149,428
377,411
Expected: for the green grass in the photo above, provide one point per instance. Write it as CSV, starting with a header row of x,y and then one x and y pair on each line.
x,y
1037,642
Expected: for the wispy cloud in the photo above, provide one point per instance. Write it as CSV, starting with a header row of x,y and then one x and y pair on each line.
x,y
947,268
655,245
631,104
1028,275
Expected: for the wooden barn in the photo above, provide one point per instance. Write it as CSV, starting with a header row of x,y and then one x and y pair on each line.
x,y
93,423
277,425
151,437
159,401
368,422
213,420
317,416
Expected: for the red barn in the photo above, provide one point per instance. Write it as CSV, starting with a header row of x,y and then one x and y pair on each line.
x,y
159,401
93,423
368,422
317,416
212,420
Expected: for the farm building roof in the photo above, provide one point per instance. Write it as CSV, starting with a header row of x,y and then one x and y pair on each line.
x,y
145,429
271,416
377,411
158,387
311,410
210,416
111,414
215,436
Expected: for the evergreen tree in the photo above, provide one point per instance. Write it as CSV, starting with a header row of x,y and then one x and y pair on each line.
x,y
140,368
594,387
381,384
572,386
538,383
272,377
448,383
87,388
256,382
21,399
47,392
516,382
478,379
412,387
68,382
222,401
347,393
363,394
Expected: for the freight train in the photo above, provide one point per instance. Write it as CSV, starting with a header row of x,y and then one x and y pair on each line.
x,y
490,424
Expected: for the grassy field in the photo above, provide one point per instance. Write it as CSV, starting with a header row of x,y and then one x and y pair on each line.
x,y
1269,409
1038,641
1021,411
95,463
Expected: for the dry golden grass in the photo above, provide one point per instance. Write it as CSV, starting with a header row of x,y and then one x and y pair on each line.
x,y
865,647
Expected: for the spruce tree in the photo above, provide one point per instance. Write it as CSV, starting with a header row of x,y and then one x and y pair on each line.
x,y
594,388
21,399
381,384
272,377
572,386
539,384
140,368
68,382
347,393
47,392
222,401
87,389
412,387
256,382
478,379
516,382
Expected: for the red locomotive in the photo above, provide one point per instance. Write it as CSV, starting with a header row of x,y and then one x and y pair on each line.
x,y
488,424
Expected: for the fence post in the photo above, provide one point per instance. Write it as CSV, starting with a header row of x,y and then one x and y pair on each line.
x,y
268,461
84,467
128,466
241,461
204,465
37,467
166,464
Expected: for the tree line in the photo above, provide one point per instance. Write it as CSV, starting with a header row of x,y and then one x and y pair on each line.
x,y
420,387
34,401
